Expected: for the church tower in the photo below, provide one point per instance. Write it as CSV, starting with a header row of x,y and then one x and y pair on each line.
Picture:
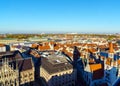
x,y
111,50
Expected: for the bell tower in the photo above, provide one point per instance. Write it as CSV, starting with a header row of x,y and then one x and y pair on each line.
x,y
111,50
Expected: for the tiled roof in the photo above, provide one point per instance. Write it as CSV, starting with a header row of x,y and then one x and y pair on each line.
x,y
94,67
17,60
57,48
2,45
56,66
35,53
51,42
43,48
91,45
92,50
34,45
24,64
97,70
66,52
11,55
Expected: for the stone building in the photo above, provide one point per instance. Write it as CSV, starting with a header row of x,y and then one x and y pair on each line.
x,y
8,75
57,71
15,70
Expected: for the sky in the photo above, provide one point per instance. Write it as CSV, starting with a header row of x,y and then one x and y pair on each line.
x,y
59,16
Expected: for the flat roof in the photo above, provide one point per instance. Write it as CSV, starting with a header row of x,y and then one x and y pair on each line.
x,y
55,63
56,59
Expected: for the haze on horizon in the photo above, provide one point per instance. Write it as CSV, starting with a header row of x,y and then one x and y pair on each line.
x,y
57,16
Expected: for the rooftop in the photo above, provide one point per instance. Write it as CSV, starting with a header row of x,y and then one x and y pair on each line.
x,y
55,63
2,45
56,59
11,54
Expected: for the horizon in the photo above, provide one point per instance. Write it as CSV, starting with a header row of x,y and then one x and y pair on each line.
x,y
62,32
60,16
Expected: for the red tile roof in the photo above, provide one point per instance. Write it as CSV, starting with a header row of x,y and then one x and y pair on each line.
x,y
34,53
2,45
34,45
43,48
94,67
97,70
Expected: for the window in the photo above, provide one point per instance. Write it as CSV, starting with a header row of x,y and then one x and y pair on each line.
x,y
9,74
25,75
30,74
5,75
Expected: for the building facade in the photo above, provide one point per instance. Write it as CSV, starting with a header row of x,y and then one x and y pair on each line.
x,y
15,70
2,48
57,71
8,75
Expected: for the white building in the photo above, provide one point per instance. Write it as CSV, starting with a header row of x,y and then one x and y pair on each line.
x,y
2,48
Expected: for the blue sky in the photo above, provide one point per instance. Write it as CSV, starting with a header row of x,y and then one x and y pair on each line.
x,y
82,16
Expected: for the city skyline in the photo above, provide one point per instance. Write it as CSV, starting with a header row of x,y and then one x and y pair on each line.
x,y
59,16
